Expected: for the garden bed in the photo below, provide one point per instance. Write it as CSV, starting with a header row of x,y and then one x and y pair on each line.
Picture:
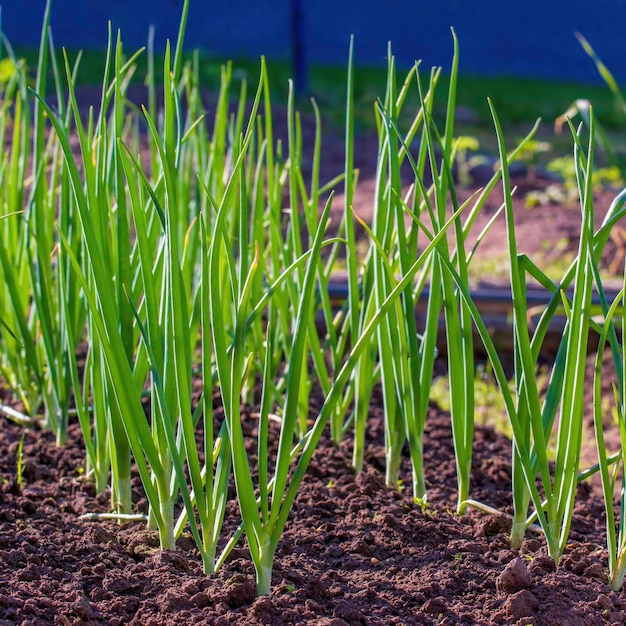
x,y
188,260
354,551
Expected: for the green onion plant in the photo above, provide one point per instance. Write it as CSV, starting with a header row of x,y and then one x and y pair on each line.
x,y
612,477
532,419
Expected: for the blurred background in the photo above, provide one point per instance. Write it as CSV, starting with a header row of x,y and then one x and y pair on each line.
x,y
534,38
525,56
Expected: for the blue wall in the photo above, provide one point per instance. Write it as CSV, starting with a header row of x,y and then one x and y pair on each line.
x,y
525,38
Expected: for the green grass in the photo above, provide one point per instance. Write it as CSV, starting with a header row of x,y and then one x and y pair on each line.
x,y
520,100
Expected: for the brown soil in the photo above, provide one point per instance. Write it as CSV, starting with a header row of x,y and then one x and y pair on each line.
x,y
354,551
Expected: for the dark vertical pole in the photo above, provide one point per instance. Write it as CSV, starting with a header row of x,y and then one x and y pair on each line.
x,y
298,49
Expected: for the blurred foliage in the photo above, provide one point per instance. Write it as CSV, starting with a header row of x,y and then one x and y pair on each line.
x,y
7,70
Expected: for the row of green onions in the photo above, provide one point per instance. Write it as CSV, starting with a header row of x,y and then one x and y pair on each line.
x,y
169,244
